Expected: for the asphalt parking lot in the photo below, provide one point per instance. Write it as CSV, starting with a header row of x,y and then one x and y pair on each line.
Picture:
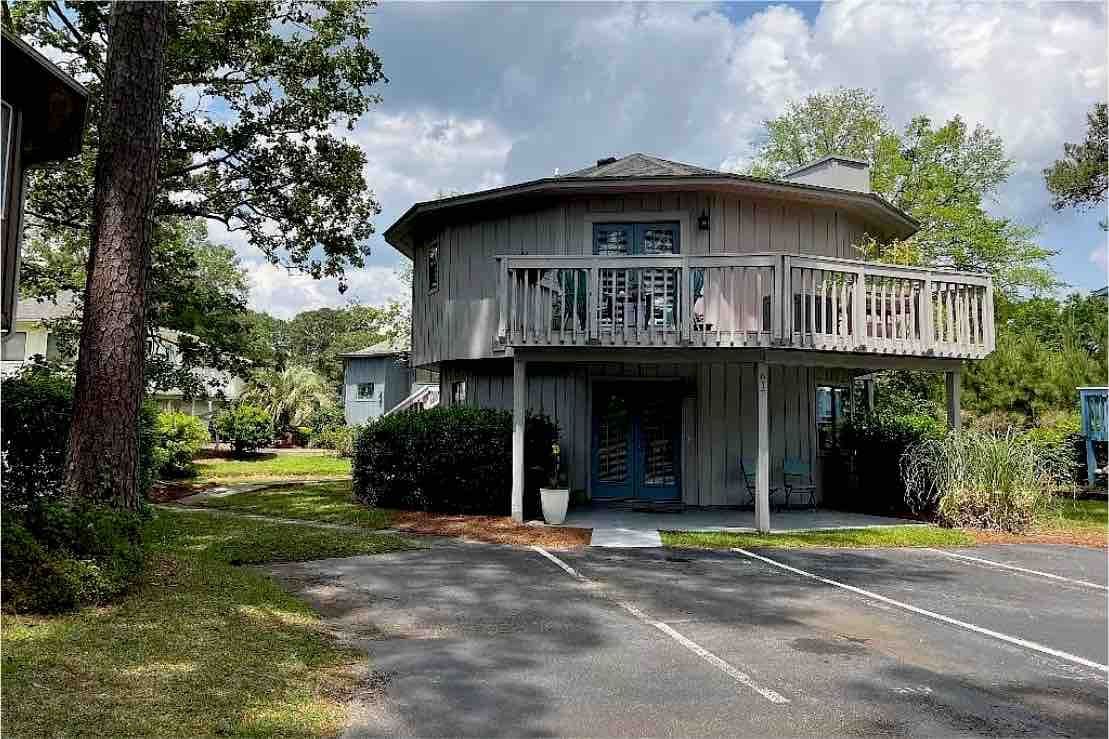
x,y
481,640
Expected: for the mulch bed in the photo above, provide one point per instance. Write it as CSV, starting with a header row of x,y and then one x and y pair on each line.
x,y
167,492
1080,539
493,529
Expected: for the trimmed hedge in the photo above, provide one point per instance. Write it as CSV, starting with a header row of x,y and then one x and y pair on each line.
x,y
180,437
246,427
450,459
34,431
63,555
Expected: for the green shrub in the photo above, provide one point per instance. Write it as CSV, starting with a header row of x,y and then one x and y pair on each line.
x,y
1059,434
179,437
34,431
339,438
450,459
869,450
973,478
246,427
59,556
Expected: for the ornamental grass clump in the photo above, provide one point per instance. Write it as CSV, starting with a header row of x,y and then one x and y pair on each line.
x,y
974,478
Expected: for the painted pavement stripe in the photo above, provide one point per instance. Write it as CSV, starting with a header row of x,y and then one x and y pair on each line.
x,y
728,669
1007,566
932,614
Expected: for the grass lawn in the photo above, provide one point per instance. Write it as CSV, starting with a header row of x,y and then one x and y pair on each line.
x,y
330,502
1066,514
271,467
201,648
893,536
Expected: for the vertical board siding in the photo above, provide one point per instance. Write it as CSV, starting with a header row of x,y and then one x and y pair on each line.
x,y
718,418
459,321
392,384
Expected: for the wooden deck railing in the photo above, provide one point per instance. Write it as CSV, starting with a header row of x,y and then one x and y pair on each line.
x,y
784,301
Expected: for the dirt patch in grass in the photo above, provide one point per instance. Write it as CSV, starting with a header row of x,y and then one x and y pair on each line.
x,y
494,529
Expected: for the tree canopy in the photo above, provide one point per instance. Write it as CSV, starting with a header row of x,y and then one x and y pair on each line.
x,y
942,175
256,95
1081,178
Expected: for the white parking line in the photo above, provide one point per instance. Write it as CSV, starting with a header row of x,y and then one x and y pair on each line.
x,y
706,655
932,614
1007,566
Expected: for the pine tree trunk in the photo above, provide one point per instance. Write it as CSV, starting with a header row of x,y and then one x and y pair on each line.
x,y
104,438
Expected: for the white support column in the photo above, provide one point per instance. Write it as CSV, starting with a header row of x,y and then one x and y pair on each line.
x,y
519,411
762,465
954,389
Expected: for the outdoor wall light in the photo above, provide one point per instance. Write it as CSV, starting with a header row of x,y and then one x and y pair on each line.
x,y
703,221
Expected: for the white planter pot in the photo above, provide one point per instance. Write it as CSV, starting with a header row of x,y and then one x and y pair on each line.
x,y
554,502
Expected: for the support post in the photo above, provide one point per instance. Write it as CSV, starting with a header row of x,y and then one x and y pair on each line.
x,y
762,465
519,411
868,385
954,388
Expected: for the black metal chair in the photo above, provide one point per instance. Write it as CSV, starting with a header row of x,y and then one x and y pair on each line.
x,y
798,478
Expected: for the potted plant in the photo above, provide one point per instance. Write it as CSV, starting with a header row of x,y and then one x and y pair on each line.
x,y
556,497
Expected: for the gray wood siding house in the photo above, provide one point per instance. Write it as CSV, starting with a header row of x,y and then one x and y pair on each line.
x,y
692,332
375,379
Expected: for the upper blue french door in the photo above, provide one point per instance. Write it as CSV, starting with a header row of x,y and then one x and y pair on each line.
x,y
636,434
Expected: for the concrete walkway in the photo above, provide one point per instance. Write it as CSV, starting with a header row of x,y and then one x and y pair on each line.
x,y
613,527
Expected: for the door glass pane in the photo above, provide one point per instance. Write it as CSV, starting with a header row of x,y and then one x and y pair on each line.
x,y
612,442
658,239
612,239
659,426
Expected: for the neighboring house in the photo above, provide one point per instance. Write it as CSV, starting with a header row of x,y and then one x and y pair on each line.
x,y
32,338
42,121
682,326
379,379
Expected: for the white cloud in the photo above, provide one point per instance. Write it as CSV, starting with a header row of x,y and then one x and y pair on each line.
x,y
1099,255
285,293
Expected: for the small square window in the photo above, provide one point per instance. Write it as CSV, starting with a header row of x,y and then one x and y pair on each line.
x,y
433,266
365,391
458,392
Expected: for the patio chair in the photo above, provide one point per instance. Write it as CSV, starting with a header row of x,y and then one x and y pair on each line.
x,y
748,471
799,481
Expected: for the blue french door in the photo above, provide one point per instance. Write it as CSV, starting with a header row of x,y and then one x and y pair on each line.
x,y
636,433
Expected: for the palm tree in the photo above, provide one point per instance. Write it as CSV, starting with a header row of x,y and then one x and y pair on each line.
x,y
291,397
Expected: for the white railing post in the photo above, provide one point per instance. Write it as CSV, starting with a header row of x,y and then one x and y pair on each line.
x,y
989,335
685,279
776,303
591,302
858,309
786,303
502,300
927,327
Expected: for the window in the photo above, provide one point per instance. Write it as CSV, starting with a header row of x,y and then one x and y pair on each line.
x,y
831,413
458,392
52,351
15,346
433,266
615,239
366,391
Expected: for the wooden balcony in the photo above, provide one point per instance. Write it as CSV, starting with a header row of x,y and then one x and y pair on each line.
x,y
743,300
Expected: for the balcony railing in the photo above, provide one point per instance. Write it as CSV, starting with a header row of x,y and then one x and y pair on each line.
x,y
749,300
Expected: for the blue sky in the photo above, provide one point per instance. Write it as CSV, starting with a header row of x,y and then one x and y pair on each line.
x,y
482,95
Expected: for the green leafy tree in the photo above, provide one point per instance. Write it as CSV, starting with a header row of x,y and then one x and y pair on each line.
x,y
291,398
257,92
317,338
194,287
941,175
1081,178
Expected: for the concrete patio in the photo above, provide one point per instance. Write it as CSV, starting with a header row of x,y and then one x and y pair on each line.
x,y
616,527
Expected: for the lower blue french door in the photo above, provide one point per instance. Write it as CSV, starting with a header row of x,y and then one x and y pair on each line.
x,y
636,441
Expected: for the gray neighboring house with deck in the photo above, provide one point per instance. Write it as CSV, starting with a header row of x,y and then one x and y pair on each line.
x,y
695,334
